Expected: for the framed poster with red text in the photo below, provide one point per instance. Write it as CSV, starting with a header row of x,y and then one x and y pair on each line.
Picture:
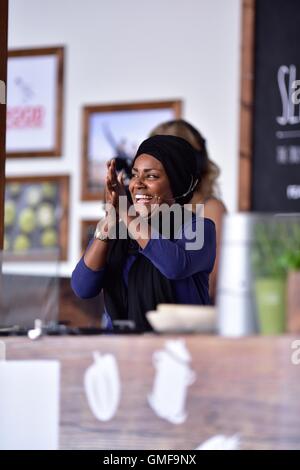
x,y
34,102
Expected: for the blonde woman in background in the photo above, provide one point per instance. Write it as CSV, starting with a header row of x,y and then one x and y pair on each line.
x,y
207,190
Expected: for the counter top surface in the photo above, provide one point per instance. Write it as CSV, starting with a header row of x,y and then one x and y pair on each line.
x,y
246,386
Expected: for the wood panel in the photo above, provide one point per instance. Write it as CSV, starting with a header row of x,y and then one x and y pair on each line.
x,y
3,68
246,105
246,386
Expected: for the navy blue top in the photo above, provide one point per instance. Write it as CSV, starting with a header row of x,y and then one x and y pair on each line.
x,y
178,260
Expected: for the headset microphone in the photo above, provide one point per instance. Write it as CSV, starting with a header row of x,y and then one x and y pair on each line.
x,y
192,186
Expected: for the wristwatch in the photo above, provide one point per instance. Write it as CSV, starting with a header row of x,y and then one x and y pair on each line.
x,y
98,232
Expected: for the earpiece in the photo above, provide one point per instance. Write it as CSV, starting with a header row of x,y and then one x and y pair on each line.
x,y
192,186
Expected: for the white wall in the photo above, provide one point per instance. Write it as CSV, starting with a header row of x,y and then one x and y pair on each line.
x,y
137,50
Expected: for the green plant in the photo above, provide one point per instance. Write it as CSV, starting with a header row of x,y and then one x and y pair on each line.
x,y
276,247
290,258
268,247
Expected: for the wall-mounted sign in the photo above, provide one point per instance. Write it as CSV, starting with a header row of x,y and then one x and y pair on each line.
x,y
276,119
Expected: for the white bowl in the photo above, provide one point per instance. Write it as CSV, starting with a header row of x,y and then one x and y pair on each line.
x,y
183,318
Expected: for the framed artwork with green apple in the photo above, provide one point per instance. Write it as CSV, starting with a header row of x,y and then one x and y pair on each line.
x,y
36,218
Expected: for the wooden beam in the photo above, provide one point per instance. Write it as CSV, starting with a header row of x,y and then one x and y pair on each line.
x,y
3,74
246,105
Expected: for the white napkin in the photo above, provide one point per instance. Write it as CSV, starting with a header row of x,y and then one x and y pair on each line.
x,y
102,386
220,442
29,405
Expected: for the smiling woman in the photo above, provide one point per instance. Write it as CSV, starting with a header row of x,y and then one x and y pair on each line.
x,y
149,183
139,268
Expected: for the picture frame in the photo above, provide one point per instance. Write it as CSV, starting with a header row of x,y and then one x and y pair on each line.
x,y
116,130
88,228
34,102
36,218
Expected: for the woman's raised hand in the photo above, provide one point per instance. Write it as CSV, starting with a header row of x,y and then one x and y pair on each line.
x,y
114,185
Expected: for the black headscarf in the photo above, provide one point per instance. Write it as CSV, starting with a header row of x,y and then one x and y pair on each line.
x,y
179,160
147,287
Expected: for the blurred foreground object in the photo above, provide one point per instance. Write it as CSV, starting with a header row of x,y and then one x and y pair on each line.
x,y
293,299
220,442
259,252
183,318
234,290
29,404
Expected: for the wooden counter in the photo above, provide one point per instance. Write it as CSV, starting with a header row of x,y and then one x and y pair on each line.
x,y
247,386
